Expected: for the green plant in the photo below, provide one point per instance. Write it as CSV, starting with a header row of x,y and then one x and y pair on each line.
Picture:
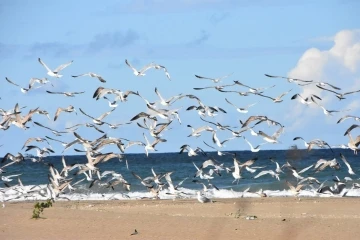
x,y
39,207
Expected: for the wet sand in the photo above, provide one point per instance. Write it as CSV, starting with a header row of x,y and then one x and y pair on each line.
x,y
277,218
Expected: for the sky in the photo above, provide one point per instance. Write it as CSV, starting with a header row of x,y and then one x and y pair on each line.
x,y
302,39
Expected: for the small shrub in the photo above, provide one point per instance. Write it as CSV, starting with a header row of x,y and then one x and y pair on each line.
x,y
39,208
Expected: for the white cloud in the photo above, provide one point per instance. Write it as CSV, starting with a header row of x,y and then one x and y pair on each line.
x,y
338,65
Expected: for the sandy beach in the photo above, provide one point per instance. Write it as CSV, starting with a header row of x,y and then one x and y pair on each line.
x,y
277,218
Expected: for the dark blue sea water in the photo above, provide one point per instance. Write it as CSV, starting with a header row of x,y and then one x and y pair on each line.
x,y
182,166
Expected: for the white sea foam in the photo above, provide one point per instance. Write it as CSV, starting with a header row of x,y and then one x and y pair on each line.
x,y
25,194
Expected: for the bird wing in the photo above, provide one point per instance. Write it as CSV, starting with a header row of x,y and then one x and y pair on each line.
x,y
283,94
213,79
334,87
351,128
262,173
327,89
127,63
54,92
147,67
62,66
343,118
137,176
28,141
346,162
105,114
58,111
157,93
7,79
351,92
230,103
305,169
42,63
80,75
204,88
86,114
278,132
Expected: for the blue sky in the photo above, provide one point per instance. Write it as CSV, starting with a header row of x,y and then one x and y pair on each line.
x,y
205,37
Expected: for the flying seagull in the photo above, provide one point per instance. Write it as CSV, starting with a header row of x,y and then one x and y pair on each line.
x,y
147,67
67,94
239,109
276,99
215,80
90,74
340,96
55,73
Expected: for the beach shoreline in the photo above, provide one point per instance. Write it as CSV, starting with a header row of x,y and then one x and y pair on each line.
x,y
276,218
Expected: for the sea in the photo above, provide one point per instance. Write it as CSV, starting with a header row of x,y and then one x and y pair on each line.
x,y
34,175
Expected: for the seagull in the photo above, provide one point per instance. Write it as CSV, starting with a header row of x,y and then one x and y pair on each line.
x,y
68,109
67,94
202,198
215,80
23,90
9,178
307,100
147,67
191,152
256,149
274,137
57,133
253,90
277,99
347,117
290,80
321,164
134,233
351,128
38,139
241,110
220,153
75,127
316,142
98,120
328,112
218,125
55,73
38,80
350,171
217,141
294,190
278,169
253,118
40,152
168,101
151,146
310,180
91,74
237,171
215,87
144,181
340,96
353,144
197,132
271,172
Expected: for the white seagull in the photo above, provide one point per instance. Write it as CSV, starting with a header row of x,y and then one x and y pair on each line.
x,y
55,73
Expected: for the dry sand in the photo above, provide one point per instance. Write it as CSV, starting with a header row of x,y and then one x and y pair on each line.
x,y
277,218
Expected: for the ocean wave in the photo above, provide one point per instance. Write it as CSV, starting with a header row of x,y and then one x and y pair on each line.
x,y
16,194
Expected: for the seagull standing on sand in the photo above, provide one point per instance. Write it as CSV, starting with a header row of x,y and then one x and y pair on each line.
x,y
202,198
